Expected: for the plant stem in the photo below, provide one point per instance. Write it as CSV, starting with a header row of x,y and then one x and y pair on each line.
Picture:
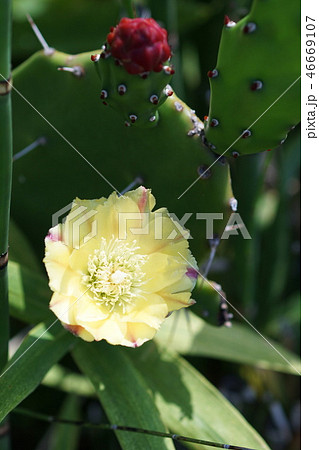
x,y
5,170
109,427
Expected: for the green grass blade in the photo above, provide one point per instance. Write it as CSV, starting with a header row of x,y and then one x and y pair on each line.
x,y
39,351
29,294
240,344
122,392
21,250
189,404
64,436
68,381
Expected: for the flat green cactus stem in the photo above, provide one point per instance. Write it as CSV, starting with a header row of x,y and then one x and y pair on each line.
x,y
135,70
258,60
168,157
136,97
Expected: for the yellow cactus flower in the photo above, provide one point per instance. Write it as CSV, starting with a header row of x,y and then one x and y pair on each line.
x,y
117,269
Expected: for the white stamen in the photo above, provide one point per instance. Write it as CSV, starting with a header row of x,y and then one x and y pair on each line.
x,y
118,277
115,274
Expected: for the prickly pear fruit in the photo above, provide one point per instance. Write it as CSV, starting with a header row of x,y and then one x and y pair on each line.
x,y
140,45
135,71
255,87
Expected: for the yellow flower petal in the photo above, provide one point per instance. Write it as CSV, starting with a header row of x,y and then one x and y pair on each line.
x,y
138,333
89,311
111,330
80,222
143,198
177,301
56,260
56,251
79,331
78,259
184,284
150,310
64,308
163,271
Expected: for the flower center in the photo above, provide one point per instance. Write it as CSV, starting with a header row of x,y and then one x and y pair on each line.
x,y
115,273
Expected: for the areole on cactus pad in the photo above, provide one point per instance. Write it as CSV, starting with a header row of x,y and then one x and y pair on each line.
x,y
135,71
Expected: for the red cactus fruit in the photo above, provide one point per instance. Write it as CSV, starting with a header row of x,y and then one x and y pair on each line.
x,y
139,44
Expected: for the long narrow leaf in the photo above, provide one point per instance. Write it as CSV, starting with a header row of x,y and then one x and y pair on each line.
x,y
40,350
21,249
190,335
64,436
68,381
29,294
123,393
189,404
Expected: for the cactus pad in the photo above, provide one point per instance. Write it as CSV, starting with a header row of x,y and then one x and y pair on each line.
x,y
134,70
135,97
168,157
258,64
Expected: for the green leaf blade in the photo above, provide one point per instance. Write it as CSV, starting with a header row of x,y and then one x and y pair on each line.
x,y
40,350
239,344
65,435
190,405
123,394
29,294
